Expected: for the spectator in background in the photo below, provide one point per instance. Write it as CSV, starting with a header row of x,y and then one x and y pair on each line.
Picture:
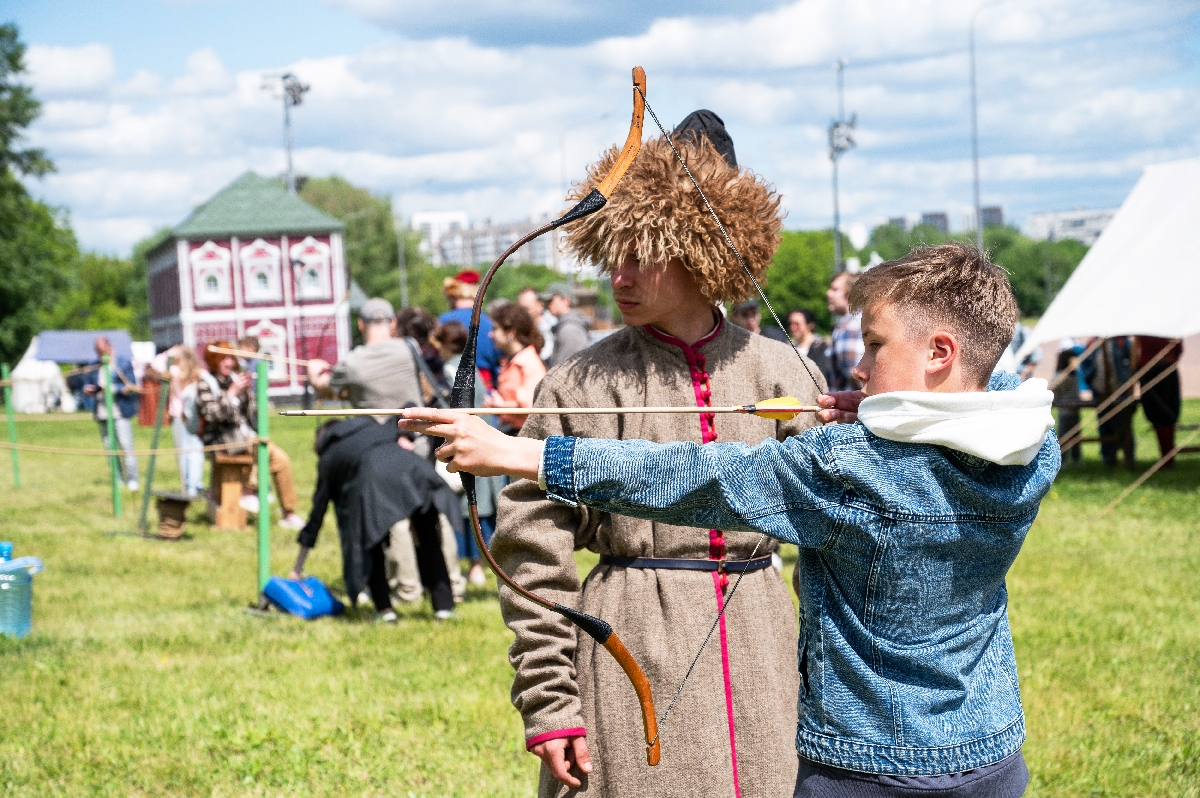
x,y
181,410
228,410
533,304
381,373
1070,394
380,493
460,291
125,405
571,327
1113,365
846,344
417,324
802,324
451,340
747,315
248,343
1161,402
517,337
1008,360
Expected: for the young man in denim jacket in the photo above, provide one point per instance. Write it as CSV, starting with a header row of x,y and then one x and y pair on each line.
x,y
908,516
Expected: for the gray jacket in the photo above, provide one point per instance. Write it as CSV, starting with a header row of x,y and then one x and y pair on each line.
x,y
570,336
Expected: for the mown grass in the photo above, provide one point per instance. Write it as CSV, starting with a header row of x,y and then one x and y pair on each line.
x,y
144,675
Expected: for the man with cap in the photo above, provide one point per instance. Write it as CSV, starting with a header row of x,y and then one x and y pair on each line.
x,y
381,373
460,293
661,586
571,329
747,315
384,373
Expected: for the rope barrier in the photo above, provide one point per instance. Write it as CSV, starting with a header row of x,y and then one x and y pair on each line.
x,y
71,373
216,447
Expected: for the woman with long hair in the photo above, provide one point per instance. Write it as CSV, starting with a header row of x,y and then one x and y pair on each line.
x,y
517,338
181,410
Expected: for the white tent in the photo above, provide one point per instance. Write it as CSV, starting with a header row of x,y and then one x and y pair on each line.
x,y
38,385
1142,276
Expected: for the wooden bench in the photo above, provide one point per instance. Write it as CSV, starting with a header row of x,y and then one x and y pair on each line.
x,y
230,475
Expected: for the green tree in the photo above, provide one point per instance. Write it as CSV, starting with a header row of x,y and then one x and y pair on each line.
x,y
105,293
1036,269
800,274
18,109
37,247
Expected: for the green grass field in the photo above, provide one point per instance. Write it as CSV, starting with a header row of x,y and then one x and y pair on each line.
x,y
144,675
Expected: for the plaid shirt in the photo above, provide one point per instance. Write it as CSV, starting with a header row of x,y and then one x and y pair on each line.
x,y
845,350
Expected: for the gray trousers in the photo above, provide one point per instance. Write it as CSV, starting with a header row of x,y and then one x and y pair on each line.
x,y
129,464
403,577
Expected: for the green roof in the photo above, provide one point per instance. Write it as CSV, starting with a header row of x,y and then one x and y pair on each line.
x,y
254,206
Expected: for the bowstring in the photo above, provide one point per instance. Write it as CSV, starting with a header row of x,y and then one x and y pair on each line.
x,y
729,240
757,287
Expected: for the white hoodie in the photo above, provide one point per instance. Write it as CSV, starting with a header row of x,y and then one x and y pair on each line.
x,y
1003,427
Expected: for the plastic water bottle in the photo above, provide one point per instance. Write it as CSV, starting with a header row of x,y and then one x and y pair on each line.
x,y
16,594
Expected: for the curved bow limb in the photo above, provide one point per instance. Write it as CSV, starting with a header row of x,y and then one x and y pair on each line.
x,y
462,395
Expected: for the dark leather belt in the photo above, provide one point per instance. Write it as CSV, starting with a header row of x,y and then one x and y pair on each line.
x,y
666,563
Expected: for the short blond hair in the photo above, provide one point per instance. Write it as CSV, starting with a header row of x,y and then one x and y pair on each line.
x,y
952,284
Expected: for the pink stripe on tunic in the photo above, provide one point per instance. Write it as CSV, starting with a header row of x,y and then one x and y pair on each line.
x,y
702,387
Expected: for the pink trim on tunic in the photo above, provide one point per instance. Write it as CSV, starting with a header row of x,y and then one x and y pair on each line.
x,y
702,387
554,735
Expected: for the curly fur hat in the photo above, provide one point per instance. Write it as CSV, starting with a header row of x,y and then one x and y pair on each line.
x,y
655,214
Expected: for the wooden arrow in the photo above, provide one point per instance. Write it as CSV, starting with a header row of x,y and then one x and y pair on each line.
x,y
785,408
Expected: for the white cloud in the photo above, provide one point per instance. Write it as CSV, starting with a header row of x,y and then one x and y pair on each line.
x,y
447,123
70,70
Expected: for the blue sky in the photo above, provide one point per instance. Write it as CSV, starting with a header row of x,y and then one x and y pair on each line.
x,y
150,107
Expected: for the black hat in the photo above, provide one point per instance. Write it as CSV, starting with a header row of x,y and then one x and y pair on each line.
x,y
706,123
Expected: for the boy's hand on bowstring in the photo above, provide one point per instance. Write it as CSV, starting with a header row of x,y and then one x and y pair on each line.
x,y
839,407
474,446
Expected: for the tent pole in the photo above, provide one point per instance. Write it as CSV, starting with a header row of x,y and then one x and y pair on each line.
x,y
6,376
1166,458
111,430
164,389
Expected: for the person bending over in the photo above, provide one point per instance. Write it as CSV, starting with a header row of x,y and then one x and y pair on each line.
x,y
908,517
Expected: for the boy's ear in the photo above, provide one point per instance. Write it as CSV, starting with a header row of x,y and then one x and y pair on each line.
x,y
943,352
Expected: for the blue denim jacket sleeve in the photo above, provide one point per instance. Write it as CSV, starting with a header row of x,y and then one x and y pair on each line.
x,y
785,489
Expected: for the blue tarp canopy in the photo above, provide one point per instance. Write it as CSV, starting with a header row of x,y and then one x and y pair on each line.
x,y
79,346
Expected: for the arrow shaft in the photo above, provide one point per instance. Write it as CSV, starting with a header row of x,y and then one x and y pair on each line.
x,y
564,411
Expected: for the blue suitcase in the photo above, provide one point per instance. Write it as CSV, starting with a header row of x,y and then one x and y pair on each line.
x,y
307,598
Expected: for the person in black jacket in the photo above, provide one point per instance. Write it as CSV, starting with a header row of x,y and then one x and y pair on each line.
x,y
377,486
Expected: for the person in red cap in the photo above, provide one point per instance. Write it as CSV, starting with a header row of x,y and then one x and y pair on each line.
x,y
460,293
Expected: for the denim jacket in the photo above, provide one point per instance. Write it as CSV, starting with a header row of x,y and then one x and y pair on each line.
x,y
906,658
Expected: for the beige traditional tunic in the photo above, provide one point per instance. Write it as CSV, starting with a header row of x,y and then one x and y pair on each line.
x,y
732,731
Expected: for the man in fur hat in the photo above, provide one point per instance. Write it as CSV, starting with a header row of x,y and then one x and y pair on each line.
x,y
732,731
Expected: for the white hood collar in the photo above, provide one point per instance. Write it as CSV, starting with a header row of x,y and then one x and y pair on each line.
x,y
1003,427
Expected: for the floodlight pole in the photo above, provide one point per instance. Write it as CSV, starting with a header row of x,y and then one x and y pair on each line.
x,y
841,139
293,95
975,122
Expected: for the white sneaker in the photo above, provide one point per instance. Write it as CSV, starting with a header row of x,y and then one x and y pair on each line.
x,y
444,615
292,521
387,617
249,503
132,485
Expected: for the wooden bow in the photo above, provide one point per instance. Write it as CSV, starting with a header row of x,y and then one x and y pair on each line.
x,y
462,396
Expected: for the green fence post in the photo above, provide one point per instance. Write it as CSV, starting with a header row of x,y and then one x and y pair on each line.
x,y
12,424
111,429
164,389
264,476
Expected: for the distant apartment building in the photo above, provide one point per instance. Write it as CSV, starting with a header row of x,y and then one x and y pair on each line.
x,y
937,219
449,239
1081,225
992,216
898,221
